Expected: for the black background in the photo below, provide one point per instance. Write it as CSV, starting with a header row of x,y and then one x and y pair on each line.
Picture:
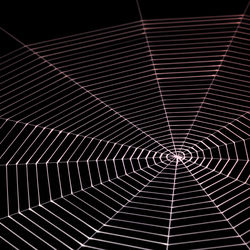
x,y
34,21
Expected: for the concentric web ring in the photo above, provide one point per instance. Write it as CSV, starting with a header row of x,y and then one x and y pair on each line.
x,y
134,136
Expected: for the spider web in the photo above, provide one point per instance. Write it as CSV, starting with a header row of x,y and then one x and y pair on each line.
x,y
134,136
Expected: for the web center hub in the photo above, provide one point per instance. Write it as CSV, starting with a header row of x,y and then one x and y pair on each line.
x,y
180,156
